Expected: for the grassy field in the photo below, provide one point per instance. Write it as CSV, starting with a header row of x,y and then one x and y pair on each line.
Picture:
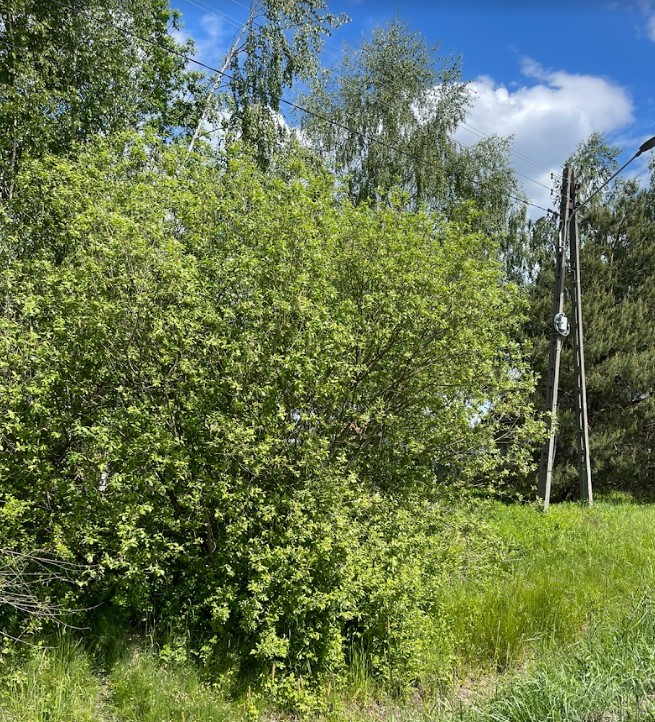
x,y
557,624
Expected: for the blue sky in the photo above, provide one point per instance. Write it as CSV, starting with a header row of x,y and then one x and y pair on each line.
x,y
546,73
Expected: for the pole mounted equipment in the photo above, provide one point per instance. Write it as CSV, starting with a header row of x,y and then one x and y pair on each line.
x,y
561,324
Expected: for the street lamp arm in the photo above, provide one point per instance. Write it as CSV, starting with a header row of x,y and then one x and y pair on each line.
x,y
650,143
607,182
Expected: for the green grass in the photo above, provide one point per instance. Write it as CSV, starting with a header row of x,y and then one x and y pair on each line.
x,y
61,685
607,676
142,689
52,686
554,619
564,572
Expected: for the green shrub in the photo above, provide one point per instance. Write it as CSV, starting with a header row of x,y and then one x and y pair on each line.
x,y
228,393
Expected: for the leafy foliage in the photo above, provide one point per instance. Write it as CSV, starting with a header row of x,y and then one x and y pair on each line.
x,y
73,69
230,391
282,39
386,118
277,45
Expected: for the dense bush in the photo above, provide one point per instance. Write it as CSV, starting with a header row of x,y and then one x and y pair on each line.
x,y
235,397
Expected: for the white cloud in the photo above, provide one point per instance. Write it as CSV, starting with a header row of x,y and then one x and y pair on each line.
x,y
212,39
647,8
181,36
650,27
548,116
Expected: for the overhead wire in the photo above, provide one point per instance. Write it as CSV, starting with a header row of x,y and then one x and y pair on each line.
x,y
482,134
470,128
231,20
517,172
289,103
467,126
338,55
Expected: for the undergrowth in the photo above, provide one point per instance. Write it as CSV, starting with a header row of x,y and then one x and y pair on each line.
x,y
546,617
565,572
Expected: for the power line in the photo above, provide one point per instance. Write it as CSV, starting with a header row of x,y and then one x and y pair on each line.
x,y
467,126
288,103
470,128
215,13
518,172
482,134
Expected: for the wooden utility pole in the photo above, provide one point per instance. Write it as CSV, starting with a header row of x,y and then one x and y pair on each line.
x,y
556,340
584,465
568,235
568,231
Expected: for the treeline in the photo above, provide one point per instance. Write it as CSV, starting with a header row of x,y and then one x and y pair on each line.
x,y
243,372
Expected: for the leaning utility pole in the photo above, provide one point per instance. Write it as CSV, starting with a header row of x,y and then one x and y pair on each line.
x,y
584,464
568,234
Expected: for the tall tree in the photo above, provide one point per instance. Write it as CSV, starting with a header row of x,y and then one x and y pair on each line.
x,y
386,118
278,44
72,68
619,267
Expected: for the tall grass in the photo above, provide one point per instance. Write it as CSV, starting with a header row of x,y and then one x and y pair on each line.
x,y
52,685
563,573
607,676
142,689
60,685
549,617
